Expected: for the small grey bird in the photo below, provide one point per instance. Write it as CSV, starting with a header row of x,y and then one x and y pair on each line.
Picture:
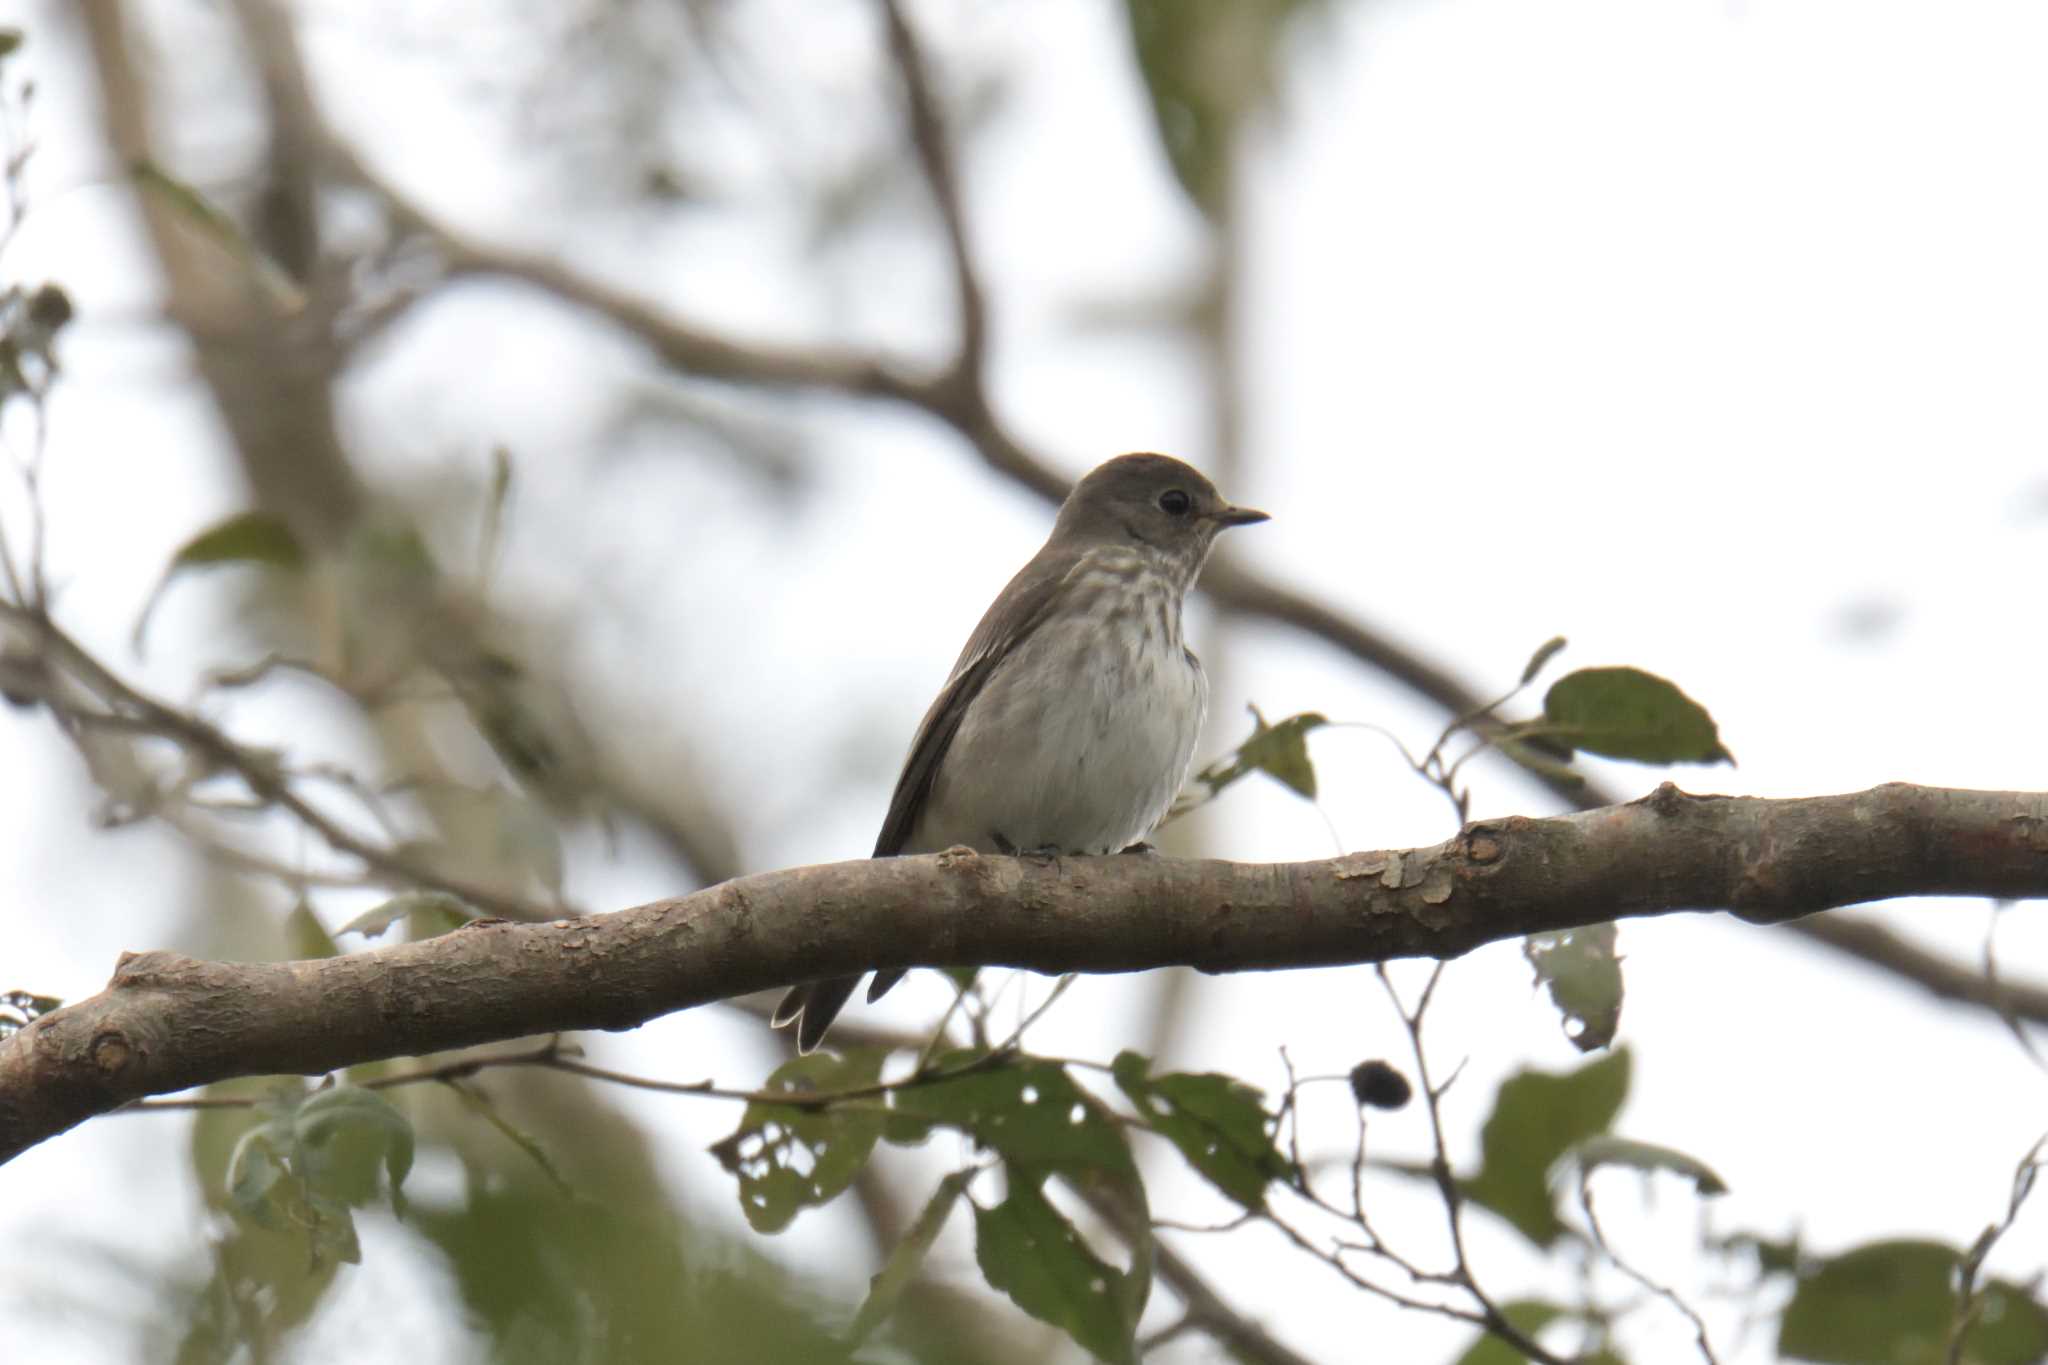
x,y
1071,718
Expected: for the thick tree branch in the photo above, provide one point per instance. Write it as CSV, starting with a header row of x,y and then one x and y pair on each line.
x,y
168,1022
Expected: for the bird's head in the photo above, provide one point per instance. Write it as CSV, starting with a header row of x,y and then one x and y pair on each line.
x,y
1152,501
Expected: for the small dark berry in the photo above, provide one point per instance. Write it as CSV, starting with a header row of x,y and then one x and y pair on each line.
x,y
1377,1084
49,308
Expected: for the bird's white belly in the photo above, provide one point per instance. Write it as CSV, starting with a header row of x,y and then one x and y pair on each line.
x,y
1076,742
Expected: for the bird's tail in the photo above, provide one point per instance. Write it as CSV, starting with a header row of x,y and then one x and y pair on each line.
x,y
814,1005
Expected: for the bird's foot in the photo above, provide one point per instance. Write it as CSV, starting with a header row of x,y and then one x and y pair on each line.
x,y
1044,853
1141,849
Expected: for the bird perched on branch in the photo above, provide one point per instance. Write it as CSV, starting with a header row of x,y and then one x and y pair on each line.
x,y
1070,719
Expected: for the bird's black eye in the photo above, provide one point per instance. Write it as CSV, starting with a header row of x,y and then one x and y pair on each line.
x,y
1175,503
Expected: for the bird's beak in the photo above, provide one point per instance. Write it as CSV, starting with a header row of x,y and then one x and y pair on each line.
x,y
1237,516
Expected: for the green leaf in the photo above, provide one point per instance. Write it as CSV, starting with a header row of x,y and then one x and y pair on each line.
x,y
528,836
1892,1303
254,1172
1582,972
343,1135
1545,652
1280,751
1031,1112
1607,1150
480,1104
305,938
1627,713
10,41
1773,1257
244,538
1219,1124
268,1188
256,538
431,912
209,224
1529,1316
885,1290
1029,1251
1537,1117
1536,754
789,1158
1206,65
495,500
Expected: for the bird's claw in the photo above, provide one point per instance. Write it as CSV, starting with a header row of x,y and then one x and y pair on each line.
x,y
1044,853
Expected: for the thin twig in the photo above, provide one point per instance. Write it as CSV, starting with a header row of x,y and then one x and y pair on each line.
x,y
1453,1197
1662,1291
929,136
1970,1295
210,748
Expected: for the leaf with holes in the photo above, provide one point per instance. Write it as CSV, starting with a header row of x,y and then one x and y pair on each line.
x,y
1029,1111
1582,971
1027,1249
1537,1117
788,1157
1220,1125
1627,713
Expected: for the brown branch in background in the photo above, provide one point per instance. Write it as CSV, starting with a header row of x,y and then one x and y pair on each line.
x,y
1876,946
268,363
932,140
118,705
271,365
167,1022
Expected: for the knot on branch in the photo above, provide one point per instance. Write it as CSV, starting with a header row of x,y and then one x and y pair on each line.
x,y
1483,843
111,1053
1667,800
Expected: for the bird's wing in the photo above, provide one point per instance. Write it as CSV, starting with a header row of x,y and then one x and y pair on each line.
x,y
1017,611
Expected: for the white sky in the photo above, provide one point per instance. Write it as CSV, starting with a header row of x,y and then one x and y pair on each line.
x,y
1692,331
